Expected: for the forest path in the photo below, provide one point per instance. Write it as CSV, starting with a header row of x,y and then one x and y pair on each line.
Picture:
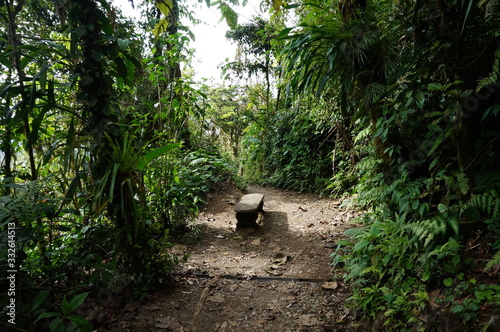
x,y
276,278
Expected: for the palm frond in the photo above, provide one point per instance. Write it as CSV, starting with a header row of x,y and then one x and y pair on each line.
x,y
372,94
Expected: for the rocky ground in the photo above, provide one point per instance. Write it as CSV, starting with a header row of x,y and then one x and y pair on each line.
x,y
275,278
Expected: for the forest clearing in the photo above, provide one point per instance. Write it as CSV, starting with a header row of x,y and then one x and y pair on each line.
x,y
368,129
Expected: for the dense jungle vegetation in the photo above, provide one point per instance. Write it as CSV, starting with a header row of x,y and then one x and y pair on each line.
x,y
108,146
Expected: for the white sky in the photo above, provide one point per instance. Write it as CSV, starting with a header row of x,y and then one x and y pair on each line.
x,y
211,46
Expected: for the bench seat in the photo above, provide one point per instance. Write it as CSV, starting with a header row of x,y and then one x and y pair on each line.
x,y
247,210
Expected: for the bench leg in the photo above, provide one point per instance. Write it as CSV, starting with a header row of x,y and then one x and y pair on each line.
x,y
247,220
261,207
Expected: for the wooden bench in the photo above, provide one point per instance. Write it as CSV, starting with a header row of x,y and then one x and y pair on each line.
x,y
247,210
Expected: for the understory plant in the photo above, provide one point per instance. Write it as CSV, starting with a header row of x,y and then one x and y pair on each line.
x,y
292,150
178,185
395,260
418,238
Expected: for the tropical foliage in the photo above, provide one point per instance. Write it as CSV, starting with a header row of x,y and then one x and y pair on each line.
x,y
393,104
107,147
410,86
98,166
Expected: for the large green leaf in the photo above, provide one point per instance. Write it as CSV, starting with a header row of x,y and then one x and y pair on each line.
x,y
57,325
73,187
277,5
82,324
69,307
146,159
116,167
39,299
46,315
466,17
165,6
229,15
123,43
160,27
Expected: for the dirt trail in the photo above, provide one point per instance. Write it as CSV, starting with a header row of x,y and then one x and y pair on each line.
x,y
276,278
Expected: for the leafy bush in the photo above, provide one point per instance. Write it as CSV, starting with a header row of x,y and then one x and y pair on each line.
x,y
177,186
391,261
292,151
60,320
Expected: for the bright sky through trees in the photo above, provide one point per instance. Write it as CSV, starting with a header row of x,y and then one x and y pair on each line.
x,y
212,47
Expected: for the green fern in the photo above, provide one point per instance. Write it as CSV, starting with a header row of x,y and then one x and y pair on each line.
x,y
495,260
426,231
456,183
367,164
491,8
462,183
488,203
494,75
354,232
487,180
363,135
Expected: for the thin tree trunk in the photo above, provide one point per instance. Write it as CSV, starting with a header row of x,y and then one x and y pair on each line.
x,y
7,152
16,60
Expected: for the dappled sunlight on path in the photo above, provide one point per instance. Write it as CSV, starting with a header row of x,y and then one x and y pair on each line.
x,y
277,277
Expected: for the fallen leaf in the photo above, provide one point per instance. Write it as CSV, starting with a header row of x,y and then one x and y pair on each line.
x,y
274,272
132,306
330,285
150,307
280,258
308,320
201,300
161,326
222,328
220,236
92,315
169,322
255,242
217,298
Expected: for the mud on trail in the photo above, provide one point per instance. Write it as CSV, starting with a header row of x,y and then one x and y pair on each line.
x,y
275,278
